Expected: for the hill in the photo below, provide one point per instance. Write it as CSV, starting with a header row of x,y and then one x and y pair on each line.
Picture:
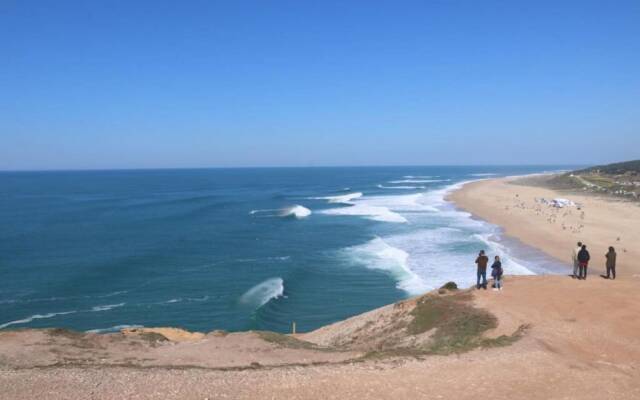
x,y
619,179
621,168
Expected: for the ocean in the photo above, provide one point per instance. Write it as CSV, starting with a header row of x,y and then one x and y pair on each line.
x,y
237,249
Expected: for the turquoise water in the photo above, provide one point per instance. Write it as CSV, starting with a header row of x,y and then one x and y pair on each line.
x,y
236,249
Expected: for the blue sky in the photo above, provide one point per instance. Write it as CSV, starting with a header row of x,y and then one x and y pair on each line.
x,y
113,84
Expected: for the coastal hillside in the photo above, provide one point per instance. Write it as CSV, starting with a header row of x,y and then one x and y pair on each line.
x,y
619,179
442,322
543,337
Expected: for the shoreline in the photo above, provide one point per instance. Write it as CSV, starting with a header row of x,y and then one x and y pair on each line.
x,y
515,207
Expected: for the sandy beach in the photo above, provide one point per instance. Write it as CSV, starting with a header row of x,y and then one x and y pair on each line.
x,y
599,222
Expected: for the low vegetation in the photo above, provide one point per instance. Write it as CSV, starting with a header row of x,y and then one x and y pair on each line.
x,y
458,325
619,179
288,341
442,322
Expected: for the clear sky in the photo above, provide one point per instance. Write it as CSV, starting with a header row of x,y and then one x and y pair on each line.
x,y
143,84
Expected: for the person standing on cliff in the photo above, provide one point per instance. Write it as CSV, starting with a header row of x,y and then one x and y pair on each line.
x,y
576,263
611,263
496,273
482,262
583,259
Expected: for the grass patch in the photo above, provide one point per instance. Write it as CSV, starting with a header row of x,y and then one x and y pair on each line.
x,y
505,340
287,341
77,339
450,286
63,332
458,328
458,325
152,337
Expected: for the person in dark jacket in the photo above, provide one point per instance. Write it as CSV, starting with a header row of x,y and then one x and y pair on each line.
x,y
496,273
583,259
482,262
611,262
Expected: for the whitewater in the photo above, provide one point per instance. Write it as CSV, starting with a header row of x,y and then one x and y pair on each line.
x,y
237,249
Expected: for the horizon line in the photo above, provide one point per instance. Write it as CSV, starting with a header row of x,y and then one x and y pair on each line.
x,y
290,167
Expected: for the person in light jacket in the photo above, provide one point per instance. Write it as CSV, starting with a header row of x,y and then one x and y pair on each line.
x,y
576,263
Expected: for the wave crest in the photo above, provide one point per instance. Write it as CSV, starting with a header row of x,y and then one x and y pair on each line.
x,y
261,293
343,198
378,254
296,211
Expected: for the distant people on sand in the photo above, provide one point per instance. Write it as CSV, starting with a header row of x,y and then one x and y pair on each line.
x,y
583,261
482,262
496,273
576,263
611,263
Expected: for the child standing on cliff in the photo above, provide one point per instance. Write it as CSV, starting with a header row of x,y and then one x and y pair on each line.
x,y
496,273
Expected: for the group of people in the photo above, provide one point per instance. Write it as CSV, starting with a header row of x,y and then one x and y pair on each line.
x,y
496,271
581,258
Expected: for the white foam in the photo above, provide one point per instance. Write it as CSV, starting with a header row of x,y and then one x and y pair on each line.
x,y
419,180
510,264
33,317
440,246
385,208
107,307
271,210
378,254
296,211
484,174
261,293
401,187
419,176
343,198
376,213
116,328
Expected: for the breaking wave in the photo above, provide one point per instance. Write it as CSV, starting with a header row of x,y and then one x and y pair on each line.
x,y
401,187
107,307
112,329
378,254
344,198
33,317
296,211
373,212
261,293
419,180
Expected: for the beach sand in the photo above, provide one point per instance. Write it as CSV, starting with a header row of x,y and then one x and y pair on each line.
x,y
600,222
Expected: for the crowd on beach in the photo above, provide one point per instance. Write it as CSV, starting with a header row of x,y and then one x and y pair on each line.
x,y
580,257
